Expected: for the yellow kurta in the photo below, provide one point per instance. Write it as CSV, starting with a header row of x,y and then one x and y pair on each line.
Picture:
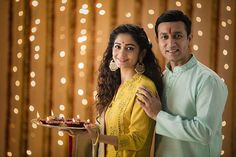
x,y
126,119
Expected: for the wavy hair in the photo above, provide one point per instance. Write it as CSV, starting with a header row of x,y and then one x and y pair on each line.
x,y
109,81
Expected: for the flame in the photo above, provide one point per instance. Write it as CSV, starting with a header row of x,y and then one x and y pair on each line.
x,y
47,119
88,121
38,116
73,120
78,117
52,114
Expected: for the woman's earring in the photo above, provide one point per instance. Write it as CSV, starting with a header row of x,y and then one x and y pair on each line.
x,y
113,66
139,68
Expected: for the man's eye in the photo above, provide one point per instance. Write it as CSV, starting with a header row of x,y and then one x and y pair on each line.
x,y
178,36
164,37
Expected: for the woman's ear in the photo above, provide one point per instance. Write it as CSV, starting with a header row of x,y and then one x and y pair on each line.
x,y
142,55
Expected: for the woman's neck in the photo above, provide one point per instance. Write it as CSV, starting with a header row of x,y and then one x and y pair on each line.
x,y
126,75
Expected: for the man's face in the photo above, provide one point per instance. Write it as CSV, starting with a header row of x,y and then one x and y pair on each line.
x,y
174,42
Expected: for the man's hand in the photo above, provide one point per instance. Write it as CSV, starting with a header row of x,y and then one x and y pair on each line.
x,y
151,104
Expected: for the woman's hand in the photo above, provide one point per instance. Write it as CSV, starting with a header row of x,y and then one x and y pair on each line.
x,y
93,131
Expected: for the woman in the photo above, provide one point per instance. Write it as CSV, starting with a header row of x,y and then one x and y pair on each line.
x,y
127,64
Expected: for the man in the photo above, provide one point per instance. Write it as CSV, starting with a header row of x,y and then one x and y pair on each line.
x,y
193,99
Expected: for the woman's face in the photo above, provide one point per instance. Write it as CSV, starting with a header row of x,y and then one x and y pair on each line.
x,y
125,51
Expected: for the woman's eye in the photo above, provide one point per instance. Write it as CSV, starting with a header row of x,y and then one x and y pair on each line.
x,y
130,48
117,46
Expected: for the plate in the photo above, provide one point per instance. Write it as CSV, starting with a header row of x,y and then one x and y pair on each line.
x,y
37,122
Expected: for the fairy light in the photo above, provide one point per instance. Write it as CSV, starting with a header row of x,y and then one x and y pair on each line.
x,y
83,47
60,142
81,65
17,97
85,6
33,30
226,37
178,3
199,5
36,56
151,12
102,12
37,48
128,15
19,55
32,74
20,13
80,92
228,8
14,69
198,19
35,3
195,47
83,20
33,83
226,66
31,108
32,38
98,5
15,110
62,107
62,8
83,31
64,1
150,26
200,33
62,54
19,41
60,133
9,153
37,21
17,83
34,126
29,152
229,21
20,28
63,80
225,52
84,101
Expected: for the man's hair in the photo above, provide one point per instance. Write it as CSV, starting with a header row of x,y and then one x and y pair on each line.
x,y
174,16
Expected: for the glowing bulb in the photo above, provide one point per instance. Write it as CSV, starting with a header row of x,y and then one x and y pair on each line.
x,y
84,101
20,28
63,80
17,83
62,107
35,3
62,54
60,142
226,37
85,6
151,11
29,152
37,21
225,52
31,108
36,56
33,83
98,5
178,3
80,92
226,66
81,65
150,26
199,5
37,48
14,69
32,38
128,15
20,13
16,111
102,12
62,8
32,74
198,19
19,55
195,47
200,33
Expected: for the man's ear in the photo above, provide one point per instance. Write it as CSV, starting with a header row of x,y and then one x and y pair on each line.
x,y
190,37
156,38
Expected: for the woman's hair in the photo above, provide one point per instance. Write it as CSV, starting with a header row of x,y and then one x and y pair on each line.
x,y
109,81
